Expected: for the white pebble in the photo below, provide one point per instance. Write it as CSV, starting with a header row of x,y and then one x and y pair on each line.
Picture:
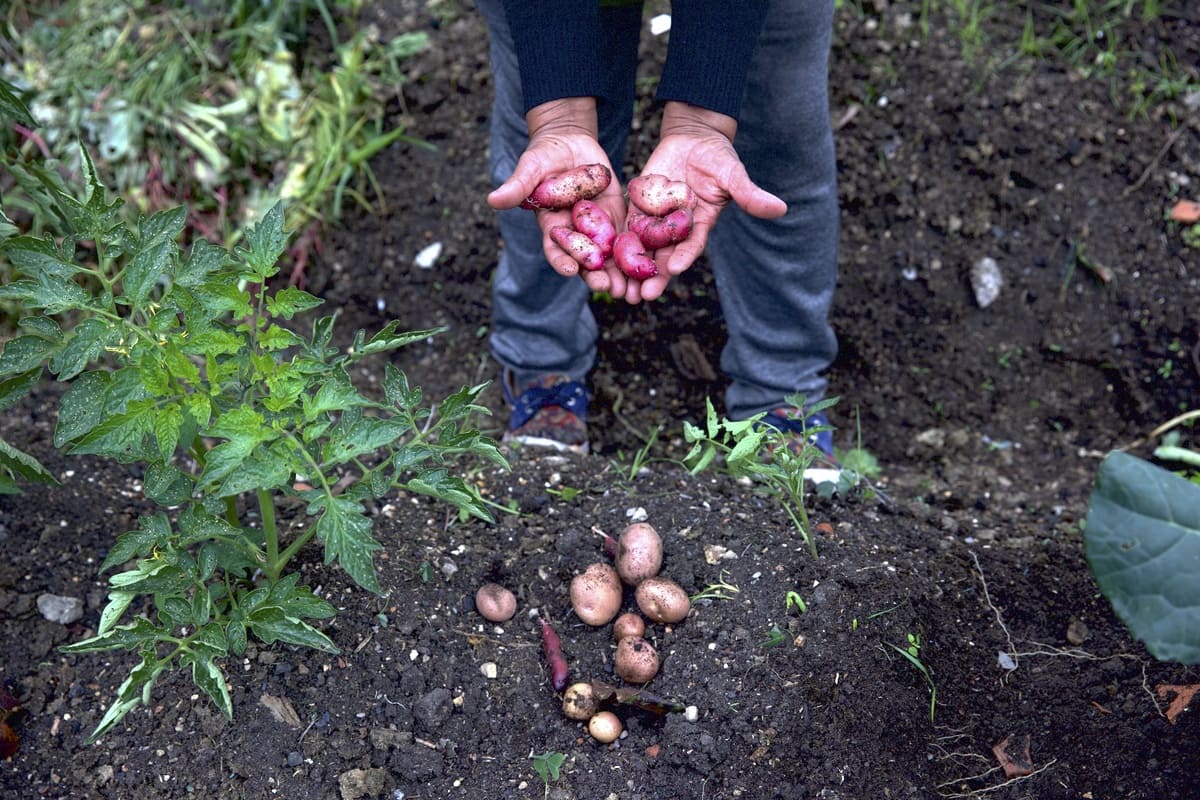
x,y
691,713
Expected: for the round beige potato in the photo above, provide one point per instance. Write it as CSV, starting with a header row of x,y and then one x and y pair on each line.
x,y
580,701
596,594
663,600
605,727
628,624
495,603
639,553
636,660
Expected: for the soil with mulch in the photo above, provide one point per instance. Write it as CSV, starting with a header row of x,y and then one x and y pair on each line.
x,y
989,424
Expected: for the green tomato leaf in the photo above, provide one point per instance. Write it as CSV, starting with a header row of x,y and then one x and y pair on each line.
x,y
14,388
272,623
264,243
167,224
290,301
126,437
85,343
139,633
22,465
357,435
167,485
144,270
12,107
346,532
203,259
208,678
1142,540
24,353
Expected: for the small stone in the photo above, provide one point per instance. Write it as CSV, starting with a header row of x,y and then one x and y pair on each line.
x,y
1077,632
294,759
358,783
986,281
691,713
488,668
63,610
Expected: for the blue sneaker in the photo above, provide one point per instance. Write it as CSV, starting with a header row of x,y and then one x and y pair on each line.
x,y
791,420
549,412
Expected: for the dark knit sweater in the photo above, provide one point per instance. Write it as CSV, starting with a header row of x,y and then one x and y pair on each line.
x,y
562,44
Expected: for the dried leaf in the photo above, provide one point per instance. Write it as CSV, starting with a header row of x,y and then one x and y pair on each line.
x,y
281,709
1183,697
1014,756
1186,211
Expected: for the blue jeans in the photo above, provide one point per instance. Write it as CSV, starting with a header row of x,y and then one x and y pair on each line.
x,y
775,278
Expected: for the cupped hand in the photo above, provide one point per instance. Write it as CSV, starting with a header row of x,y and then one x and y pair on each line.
x,y
562,135
696,147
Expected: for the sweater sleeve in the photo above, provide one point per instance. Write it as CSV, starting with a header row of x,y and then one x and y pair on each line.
x,y
708,56
557,44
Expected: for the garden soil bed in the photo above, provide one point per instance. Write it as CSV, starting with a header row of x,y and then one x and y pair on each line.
x,y
989,424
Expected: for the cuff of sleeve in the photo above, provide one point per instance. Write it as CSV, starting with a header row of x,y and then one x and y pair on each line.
x,y
558,45
708,57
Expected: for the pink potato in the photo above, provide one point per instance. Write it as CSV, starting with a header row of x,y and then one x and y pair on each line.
x,y
589,254
631,257
593,221
659,232
658,195
568,188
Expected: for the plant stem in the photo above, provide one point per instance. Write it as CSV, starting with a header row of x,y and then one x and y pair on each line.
x,y
266,508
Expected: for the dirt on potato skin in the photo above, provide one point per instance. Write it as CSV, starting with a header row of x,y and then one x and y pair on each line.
x,y
989,424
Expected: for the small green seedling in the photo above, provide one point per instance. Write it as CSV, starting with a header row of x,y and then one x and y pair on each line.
x,y
912,653
566,493
794,600
720,590
775,637
547,766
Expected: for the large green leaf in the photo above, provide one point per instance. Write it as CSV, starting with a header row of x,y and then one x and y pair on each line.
x,y
1143,544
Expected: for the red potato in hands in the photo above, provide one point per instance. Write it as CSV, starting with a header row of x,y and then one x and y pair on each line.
x,y
588,253
630,255
564,190
658,195
595,223
656,233
639,553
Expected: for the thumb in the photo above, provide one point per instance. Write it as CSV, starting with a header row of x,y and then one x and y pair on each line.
x,y
525,178
753,199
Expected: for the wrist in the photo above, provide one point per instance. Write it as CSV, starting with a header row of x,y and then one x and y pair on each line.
x,y
567,114
683,118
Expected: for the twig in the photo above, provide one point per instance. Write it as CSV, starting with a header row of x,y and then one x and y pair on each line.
x,y
1174,137
616,410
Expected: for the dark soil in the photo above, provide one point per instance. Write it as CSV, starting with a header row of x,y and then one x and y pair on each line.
x,y
989,424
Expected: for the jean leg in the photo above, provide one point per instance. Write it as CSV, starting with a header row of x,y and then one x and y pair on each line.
x,y
776,278
541,321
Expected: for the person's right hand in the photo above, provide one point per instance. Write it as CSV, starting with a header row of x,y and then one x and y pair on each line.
x,y
563,135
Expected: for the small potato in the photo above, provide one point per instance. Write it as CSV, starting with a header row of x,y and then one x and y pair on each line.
x,y
595,223
596,594
605,727
580,701
579,247
636,660
631,256
568,188
663,600
656,233
658,195
628,624
639,553
495,603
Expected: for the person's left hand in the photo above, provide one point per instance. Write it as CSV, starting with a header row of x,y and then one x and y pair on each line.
x,y
696,147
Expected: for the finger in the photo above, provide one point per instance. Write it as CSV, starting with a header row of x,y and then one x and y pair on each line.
x,y
598,281
653,288
754,200
681,256
525,178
